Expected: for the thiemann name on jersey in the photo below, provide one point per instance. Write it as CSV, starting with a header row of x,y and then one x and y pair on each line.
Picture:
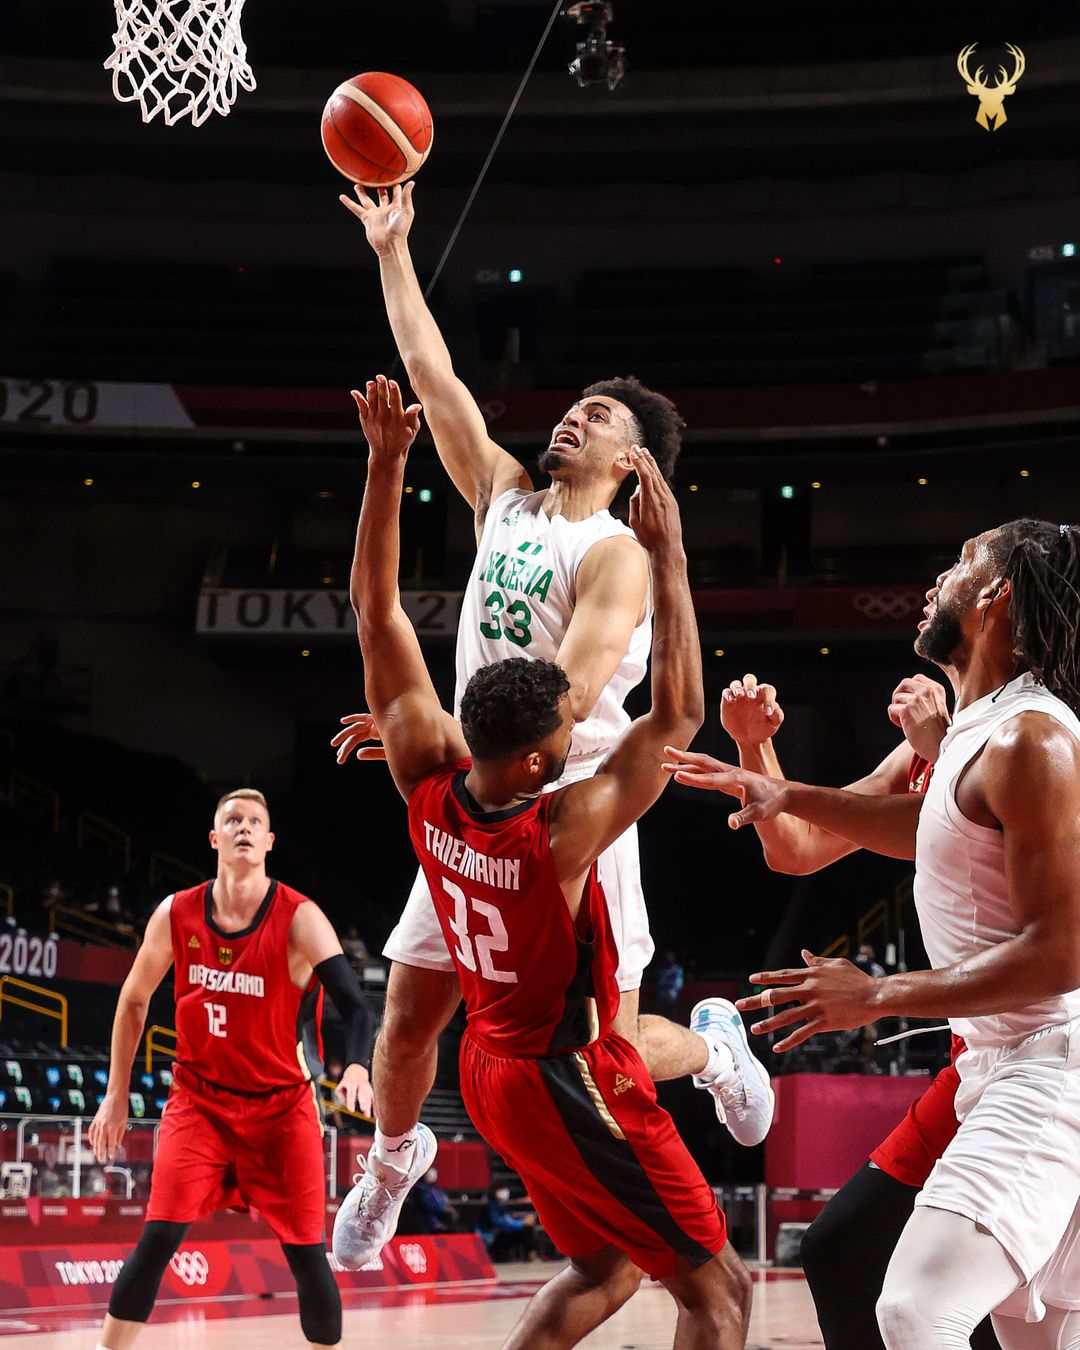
x,y
226,981
504,873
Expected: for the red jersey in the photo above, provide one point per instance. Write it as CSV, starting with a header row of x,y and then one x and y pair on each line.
x,y
241,1023
919,774
532,985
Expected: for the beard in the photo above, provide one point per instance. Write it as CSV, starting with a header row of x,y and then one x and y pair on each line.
x,y
940,640
555,769
550,460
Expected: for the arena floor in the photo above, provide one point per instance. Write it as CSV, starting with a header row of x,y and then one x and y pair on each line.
x,y
469,1317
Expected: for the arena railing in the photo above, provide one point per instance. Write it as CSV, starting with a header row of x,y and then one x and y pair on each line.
x,y
59,1012
91,828
88,927
153,1044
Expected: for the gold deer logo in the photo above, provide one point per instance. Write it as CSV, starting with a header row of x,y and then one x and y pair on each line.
x,y
991,96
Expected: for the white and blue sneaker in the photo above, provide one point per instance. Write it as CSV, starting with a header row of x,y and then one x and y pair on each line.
x,y
368,1217
743,1095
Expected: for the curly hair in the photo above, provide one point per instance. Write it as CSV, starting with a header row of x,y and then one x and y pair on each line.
x,y
1042,561
511,705
658,420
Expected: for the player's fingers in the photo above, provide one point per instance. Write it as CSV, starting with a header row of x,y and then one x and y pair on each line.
x,y
407,194
371,752
383,199
736,688
780,1021
749,682
694,757
364,197
394,397
361,403
789,975
797,1037
355,207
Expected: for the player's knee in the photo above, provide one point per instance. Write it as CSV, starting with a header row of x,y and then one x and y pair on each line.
x,y
824,1249
317,1292
901,1315
136,1287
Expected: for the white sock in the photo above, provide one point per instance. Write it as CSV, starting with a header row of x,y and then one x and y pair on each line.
x,y
396,1149
720,1064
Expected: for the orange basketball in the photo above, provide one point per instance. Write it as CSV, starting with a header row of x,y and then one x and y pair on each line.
x,y
376,129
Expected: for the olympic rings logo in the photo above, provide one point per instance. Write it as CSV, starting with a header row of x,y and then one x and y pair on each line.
x,y
191,1267
887,604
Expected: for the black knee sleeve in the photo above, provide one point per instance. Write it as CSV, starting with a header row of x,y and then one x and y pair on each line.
x,y
846,1252
137,1284
320,1298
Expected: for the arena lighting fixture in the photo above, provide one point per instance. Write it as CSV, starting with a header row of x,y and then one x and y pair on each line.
x,y
424,494
597,59
787,492
1068,250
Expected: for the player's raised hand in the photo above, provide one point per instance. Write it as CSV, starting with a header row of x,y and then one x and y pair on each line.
x,y
919,708
654,512
385,216
358,728
390,429
749,712
829,994
762,798
354,1091
107,1128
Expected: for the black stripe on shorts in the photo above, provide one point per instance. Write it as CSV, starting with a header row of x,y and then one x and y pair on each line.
x,y
611,1160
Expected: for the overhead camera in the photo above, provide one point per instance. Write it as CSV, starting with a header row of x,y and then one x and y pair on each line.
x,y
598,60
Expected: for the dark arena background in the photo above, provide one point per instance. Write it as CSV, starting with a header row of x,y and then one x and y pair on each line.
x,y
867,308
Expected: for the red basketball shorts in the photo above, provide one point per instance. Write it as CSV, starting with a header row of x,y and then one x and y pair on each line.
x,y
221,1150
910,1152
600,1158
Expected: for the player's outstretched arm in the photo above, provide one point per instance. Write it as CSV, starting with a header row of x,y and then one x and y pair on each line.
x,y
480,469
417,733
150,967
881,824
590,815
316,947
751,714
1028,780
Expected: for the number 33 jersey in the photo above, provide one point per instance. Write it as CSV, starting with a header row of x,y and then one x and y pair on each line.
x,y
532,986
519,602
241,1023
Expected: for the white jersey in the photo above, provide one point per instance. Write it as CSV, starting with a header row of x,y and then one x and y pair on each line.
x,y
961,892
519,602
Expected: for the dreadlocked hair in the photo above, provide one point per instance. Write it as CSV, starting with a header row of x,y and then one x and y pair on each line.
x,y
510,705
1042,561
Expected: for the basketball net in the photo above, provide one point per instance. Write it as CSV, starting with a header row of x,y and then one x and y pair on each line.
x,y
183,58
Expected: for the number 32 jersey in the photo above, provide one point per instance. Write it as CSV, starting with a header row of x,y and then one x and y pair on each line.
x,y
241,1023
519,602
532,986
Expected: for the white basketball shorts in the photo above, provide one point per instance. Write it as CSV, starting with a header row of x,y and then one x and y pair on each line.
x,y
417,940
1014,1164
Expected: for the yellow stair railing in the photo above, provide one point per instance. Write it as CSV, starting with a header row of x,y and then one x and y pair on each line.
x,y
58,1013
153,1044
165,870
88,927
841,946
332,1105
91,828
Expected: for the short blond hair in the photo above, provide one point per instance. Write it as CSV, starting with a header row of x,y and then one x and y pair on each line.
x,y
244,794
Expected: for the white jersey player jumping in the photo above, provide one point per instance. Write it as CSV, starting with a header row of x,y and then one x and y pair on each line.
x,y
996,843
556,577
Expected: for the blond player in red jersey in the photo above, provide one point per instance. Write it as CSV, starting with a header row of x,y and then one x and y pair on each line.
x,y
251,958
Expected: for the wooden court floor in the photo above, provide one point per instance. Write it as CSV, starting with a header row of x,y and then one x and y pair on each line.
x,y
476,1317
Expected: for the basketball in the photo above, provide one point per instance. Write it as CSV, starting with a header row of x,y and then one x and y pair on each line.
x,y
376,129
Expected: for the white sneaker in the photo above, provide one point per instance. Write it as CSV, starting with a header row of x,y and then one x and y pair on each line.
x,y
368,1216
744,1101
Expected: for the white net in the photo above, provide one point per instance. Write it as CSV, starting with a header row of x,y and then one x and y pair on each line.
x,y
182,58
